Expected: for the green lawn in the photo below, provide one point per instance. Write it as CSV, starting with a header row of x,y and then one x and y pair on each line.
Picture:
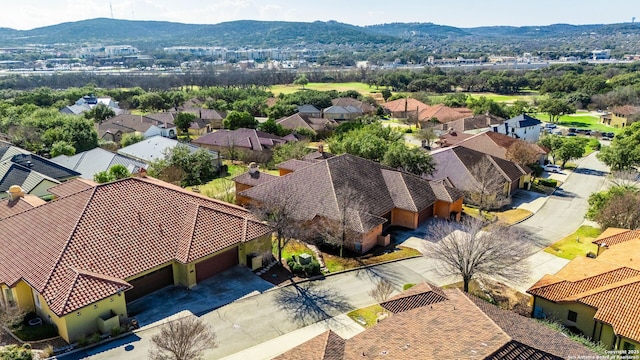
x,y
576,244
222,185
526,96
336,263
367,317
362,88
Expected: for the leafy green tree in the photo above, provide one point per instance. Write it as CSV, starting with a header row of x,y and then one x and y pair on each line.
x,y
102,177
130,139
409,159
617,207
555,108
624,152
386,94
271,127
291,150
301,80
115,172
456,100
81,133
100,113
185,167
62,148
15,352
484,105
572,148
183,122
239,119
553,143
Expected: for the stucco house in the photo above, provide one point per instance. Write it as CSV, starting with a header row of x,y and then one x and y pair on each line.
x,y
96,248
523,127
405,108
597,297
621,116
497,144
426,322
364,194
367,109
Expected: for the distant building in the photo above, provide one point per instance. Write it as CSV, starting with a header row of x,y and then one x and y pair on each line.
x,y
601,54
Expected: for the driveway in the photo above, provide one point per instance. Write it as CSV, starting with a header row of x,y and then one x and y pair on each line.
x,y
209,294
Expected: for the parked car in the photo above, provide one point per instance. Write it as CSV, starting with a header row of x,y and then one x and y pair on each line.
x,y
552,168
573,130
550,126
557,132
611,135
572,134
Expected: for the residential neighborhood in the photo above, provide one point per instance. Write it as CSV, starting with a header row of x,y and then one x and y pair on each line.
x,y
319,190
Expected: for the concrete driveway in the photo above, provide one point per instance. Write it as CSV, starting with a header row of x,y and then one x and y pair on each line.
x,y
209,294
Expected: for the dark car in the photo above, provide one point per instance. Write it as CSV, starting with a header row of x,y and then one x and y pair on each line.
x,y
573,130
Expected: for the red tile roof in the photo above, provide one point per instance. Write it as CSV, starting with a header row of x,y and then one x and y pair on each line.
x,y
614,236
10,208
115,230
71,187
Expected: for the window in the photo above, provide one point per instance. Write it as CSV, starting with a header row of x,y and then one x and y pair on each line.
x,y
8,294
36,298
572,316
628,346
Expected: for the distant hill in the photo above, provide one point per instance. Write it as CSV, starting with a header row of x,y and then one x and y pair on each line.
x,y
156,34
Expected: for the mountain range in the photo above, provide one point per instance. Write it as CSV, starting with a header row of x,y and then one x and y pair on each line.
x,y
249,33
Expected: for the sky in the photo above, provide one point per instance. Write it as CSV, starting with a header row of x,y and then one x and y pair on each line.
x,y
29,14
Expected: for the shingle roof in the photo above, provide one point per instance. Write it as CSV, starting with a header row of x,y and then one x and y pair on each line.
x,y
347,101
406,104
609,288
140,223
131,123
443,113
155,147
36,163
244,138
420,295
326,346
294,164
90,162
254,179
373,187
525,120
626,110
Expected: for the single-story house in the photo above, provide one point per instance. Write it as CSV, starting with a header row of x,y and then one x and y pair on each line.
x,y
463,167
473,124
442,114
597,297
88,102
155,148
367,109
405,108
93,161
247,144
429,323
497,144
341,113
364,195
309,111
315,125
94,251
113,128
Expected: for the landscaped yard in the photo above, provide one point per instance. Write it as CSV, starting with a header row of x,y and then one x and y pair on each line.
x,y
367,317
580,121
219,187
576,244
362,88
508,217
336,263
525,96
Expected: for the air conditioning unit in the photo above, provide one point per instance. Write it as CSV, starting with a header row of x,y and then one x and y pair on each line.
x,y
256,262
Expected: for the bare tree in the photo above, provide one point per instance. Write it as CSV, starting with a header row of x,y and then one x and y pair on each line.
x,y
467,250
183,339
337,231
487,186
278,211
382,290
628,179
227,192
621,210
522,153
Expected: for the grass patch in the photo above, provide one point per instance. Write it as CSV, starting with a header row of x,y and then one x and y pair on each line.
x,y
527,96
513,216
576,244
219,187
293,247
581,121
335,263
367,317
595,347
35,333
475,212
362,88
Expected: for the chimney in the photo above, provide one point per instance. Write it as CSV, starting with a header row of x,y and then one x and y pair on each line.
x,y
142,173
253,168
15,192
321,148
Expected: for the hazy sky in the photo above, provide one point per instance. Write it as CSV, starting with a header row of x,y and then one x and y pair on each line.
x,y
28,14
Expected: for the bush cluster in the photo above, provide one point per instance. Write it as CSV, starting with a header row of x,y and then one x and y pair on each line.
x,y
548,182
310,269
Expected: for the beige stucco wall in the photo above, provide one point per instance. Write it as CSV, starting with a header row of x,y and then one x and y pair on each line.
x,y
404,218
370,239
258,246
84,322
559,312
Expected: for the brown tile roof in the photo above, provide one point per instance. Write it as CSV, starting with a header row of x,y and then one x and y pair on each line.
x,y
612,292
9,208
470,158
377,188
297,121
443,113
613,236
141,223
515,350
406,104
420,295
131,123
71,187
326,346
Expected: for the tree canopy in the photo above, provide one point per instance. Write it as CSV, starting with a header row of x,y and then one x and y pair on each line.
x,y
239,119
184,167
624,152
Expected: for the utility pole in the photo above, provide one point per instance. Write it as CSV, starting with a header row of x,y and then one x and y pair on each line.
x,y
111,7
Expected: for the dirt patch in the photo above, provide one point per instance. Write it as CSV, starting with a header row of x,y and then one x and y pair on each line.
x,y
500,295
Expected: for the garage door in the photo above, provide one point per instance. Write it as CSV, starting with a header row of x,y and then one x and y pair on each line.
x,y
216,264
149,283
425,214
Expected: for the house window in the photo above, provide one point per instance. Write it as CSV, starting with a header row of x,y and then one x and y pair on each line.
x,y
36,298
8,294
628,346
572,316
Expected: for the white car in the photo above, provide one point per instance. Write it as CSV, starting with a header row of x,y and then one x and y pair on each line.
x,y
552,168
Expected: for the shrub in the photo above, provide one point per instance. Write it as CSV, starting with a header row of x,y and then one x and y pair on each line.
x,y
15,352
115,331
95,338
594,144
47,352
408,131
407,286
548,182
82,341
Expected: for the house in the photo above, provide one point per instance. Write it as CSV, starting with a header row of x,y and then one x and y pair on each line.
x,y
522,127
367,109
613,236
90,162
427,322
364,195
442,114
247,144
315,125
597,297
113,128
88,102
342,113
249,179
496,144
17,202
309,111
405,108
473,124
463,167
94,251
197,127
621,116
156,147
33,174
